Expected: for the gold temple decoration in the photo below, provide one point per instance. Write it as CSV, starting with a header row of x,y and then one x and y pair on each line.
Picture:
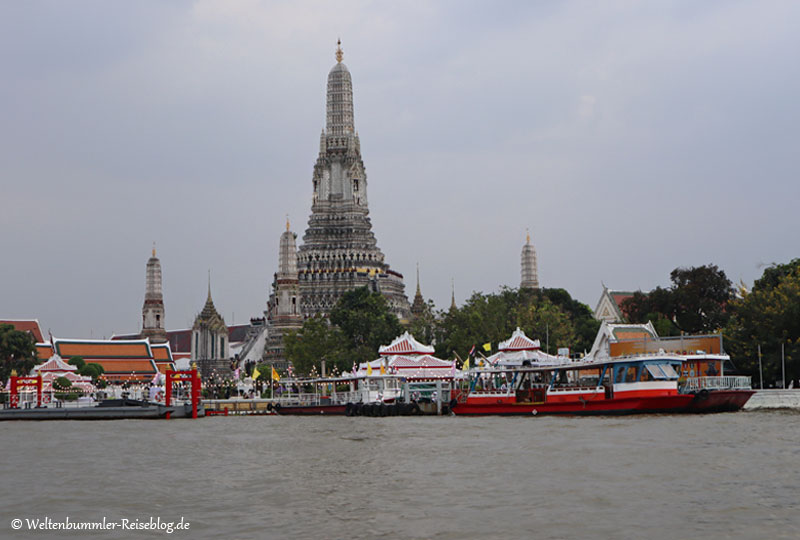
x,y
339,52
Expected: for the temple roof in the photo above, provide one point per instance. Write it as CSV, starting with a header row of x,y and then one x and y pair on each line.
x,y
89,349
26,325
57,364
405,344
210,317
121,360
519,342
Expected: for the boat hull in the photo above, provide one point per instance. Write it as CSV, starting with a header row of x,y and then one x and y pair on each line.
x,y
311,410
617,406
86,413
719,401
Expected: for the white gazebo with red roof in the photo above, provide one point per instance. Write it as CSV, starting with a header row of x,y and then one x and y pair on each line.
x,y
55,367
409,358
520,348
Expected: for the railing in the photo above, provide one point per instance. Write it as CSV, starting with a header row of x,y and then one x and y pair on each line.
x,y
694,384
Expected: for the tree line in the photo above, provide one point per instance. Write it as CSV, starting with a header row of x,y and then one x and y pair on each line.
x,y
703,300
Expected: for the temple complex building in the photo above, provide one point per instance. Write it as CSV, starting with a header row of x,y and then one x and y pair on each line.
x,y
153,309
339,251
283,308
418,306
210,341
530,269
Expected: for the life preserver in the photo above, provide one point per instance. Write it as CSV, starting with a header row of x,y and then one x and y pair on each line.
x,y
159,396
276,407
269,407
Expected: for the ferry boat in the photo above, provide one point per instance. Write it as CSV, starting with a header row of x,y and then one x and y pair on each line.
x,y
358,395
625,385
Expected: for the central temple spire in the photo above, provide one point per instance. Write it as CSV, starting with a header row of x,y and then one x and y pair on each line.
x,y
339,251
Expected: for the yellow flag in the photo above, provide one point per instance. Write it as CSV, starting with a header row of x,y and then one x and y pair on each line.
x,y
487,346
255,373
465,367
369,368
275,376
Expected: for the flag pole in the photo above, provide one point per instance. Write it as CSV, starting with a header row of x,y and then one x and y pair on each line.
x,y
760,371
783,367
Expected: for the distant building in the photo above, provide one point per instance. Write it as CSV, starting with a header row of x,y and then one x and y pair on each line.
x,y
283,307
418,306
609,307
529,266
153,308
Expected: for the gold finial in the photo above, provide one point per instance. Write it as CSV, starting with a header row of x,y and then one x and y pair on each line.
x,y
339,52
13,372
287,222
528,233
154,249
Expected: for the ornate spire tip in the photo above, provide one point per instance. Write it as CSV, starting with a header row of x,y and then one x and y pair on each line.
x,y
339,52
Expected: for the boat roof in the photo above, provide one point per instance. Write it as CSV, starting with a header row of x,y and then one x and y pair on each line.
x,y
617,360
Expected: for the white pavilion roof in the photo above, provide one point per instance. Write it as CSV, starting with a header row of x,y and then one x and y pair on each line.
x,y
519,342
412,366
55,364
405,345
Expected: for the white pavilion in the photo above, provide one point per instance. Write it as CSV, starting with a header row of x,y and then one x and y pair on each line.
x,y
408,357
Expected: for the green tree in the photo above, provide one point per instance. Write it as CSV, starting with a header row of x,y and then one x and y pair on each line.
x,y
700,296
425,326
696,302
493,317
61,383
17,352
92,370
366,321
316,340
768,316
78,362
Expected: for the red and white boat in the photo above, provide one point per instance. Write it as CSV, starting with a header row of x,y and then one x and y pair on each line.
x,y
628,372
619,386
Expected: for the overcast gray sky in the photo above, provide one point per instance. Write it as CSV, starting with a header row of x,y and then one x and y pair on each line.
x,y
630,137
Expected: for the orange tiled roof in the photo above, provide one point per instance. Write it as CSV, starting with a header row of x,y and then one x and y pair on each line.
x,y
632,334
164,366
44,351
29,325
103,349
161,352
126,366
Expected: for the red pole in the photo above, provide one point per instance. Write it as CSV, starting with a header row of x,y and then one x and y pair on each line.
x,y
14,397
195,390
168,393
39,386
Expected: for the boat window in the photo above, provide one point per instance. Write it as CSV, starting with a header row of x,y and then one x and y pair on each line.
x,y
630,374
669,371
645,374
655,371
620,373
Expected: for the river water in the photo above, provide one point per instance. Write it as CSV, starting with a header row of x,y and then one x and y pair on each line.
x,y
733,475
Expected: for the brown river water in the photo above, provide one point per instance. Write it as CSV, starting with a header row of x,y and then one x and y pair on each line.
x,y
733,475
